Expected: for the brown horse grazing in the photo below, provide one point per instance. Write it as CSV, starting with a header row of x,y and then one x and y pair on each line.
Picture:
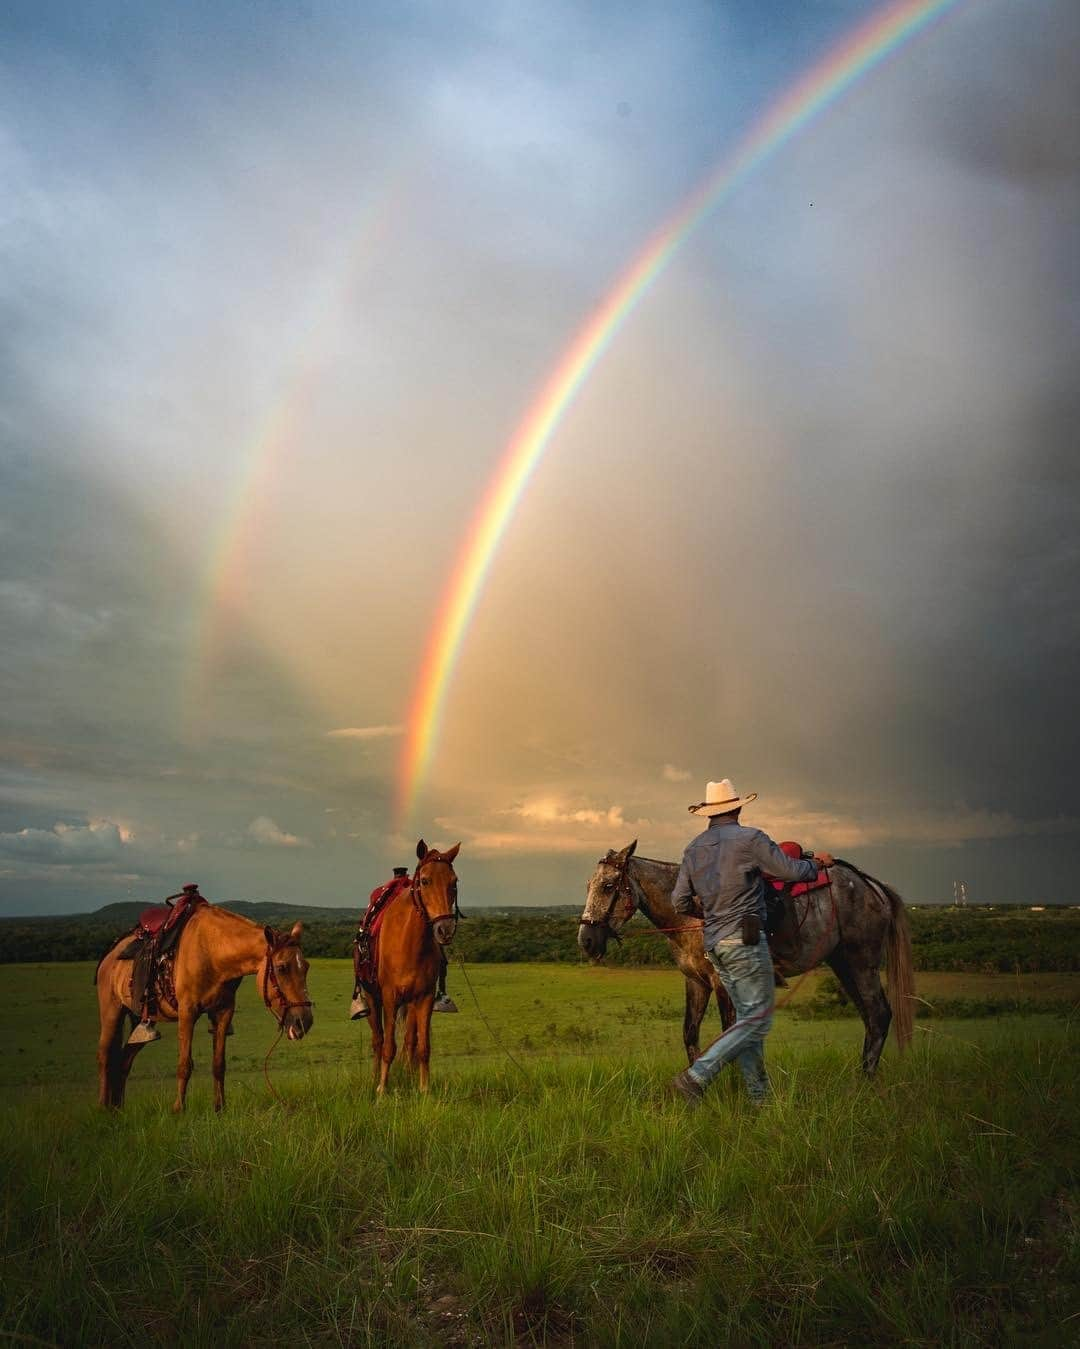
x,y
848,924
217,948
415,926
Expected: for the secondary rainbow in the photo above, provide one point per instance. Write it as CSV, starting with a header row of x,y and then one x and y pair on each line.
x,y
859,52
229,575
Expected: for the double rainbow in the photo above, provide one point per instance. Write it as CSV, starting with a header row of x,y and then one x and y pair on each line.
x,y
228,574
859,52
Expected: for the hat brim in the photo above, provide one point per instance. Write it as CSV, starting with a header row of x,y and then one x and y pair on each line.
x,y
711,808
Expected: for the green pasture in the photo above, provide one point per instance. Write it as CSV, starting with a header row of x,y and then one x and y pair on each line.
x,y
553,1198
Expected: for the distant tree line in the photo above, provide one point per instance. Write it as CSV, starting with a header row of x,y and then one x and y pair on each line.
x,y
969,940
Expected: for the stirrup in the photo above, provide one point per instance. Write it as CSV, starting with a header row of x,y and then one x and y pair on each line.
x,y
358,1008
444,1003
145,1033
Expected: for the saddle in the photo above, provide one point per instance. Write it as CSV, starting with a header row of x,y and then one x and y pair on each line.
x,y
782,923
152,949
365,943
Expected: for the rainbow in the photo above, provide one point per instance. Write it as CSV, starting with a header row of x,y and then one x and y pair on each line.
x,y
859,52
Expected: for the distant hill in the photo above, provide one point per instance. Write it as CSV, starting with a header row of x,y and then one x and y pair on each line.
x,y
125,913
259,910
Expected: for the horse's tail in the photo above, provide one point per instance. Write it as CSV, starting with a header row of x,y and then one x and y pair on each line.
x,y
898,961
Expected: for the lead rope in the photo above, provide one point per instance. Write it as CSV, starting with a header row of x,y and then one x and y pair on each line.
x,y
483,1018
266,1070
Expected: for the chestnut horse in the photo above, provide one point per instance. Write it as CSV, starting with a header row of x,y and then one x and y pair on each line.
x,y
217,948
849,925
416,925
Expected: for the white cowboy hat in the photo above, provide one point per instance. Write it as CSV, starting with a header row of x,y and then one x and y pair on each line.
x,y
721,797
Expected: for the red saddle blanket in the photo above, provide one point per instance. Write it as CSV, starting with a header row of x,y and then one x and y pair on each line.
x,y
800,887
379,900
161,918
371,922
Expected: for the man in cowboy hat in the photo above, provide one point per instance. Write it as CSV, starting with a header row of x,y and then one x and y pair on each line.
x,y
723,867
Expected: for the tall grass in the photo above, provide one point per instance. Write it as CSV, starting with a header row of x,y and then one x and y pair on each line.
x,y
567,1203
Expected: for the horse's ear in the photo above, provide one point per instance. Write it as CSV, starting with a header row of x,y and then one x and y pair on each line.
x,y
270,935
421,850
449,856
297,932
627,853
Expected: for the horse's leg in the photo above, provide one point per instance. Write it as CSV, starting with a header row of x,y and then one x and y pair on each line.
x,y
697,1002
389,1042
423,1037
376,1019
185,1032
411,1034
127,1058
108,1054
862,983
725,1006
221,1024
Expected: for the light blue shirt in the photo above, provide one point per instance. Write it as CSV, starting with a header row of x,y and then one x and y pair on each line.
x,y
723,867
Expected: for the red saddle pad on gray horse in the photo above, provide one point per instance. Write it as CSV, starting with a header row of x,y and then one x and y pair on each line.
x,y
795,850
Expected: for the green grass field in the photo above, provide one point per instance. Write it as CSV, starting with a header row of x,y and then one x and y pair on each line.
x,y
558,1198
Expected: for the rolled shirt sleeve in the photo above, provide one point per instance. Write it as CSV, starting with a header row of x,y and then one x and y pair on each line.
x,y
773,861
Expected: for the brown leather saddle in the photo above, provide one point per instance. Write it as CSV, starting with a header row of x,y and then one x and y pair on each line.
x,y
153,948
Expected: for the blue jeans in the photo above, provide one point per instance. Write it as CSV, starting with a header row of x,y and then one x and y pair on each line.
x,y
747,974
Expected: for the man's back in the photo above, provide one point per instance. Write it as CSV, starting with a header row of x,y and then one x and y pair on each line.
x,y
723,868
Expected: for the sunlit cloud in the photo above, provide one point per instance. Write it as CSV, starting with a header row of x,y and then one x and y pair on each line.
x,y
97,842
264,831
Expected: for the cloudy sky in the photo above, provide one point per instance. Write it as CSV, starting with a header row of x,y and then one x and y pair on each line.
x,y
279,281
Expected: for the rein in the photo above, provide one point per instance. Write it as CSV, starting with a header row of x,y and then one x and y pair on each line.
x,y
624,886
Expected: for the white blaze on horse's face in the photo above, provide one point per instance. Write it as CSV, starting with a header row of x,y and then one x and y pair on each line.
x,y
284,982
291,969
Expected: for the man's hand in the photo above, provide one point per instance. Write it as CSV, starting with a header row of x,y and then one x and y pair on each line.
x,y
824,859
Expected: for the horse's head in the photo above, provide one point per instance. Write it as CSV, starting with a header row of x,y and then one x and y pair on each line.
x,y
609,901
435,890
284,981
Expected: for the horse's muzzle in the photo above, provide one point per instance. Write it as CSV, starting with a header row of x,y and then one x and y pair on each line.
x,y
298,1022
592,940
444,929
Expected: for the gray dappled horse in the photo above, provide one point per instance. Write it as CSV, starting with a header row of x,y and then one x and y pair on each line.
x,y
848,924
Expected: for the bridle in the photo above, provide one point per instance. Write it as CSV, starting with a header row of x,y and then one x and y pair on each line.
x,y
417,899
623,887
271,981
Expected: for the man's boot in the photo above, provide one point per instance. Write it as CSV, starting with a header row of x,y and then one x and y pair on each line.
x,y
145,1033
444,1003
359,1008
686,1088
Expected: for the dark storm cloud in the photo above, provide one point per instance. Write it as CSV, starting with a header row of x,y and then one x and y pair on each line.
x,y
811,523
1018,117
